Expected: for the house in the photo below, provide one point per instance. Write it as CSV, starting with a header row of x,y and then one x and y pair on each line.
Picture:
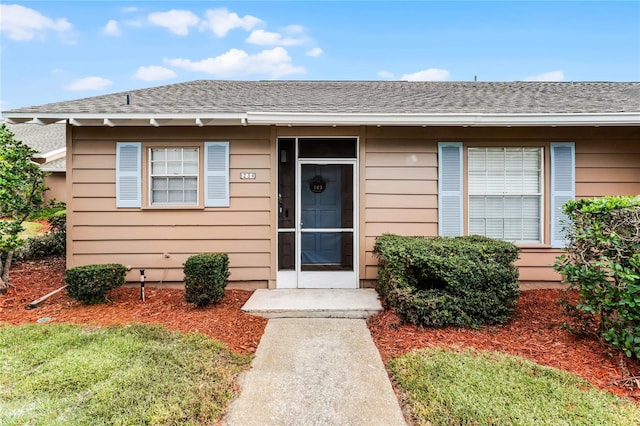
x,y
296,179
51,144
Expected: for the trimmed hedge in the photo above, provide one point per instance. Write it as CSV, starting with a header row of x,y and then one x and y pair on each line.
x,y
602,262
205,278
462,281
91,283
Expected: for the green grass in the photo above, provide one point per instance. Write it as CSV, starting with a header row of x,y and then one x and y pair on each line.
x,y
488,388
62,374
31,229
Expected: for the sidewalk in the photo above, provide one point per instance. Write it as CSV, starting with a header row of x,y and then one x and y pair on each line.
x,y
315,371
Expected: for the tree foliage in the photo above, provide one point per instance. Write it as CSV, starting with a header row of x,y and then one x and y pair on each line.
x,y
21,192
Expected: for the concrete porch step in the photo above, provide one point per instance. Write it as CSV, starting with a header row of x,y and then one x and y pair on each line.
x,y
314,303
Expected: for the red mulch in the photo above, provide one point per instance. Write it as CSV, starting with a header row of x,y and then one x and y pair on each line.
x,y
535,332
222,321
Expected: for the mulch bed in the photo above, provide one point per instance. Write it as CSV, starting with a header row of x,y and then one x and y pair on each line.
x,y
223,321
535,332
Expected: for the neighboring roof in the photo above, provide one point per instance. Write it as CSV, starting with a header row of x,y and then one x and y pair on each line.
x,y
356,102
49,141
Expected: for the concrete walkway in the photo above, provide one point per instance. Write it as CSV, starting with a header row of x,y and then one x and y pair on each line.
x,y
316,371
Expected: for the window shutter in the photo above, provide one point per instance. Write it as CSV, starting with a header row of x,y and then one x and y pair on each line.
x,y
450,189
128,175
562,187
216,168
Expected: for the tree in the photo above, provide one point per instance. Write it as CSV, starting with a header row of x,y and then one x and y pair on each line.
x,y
21,189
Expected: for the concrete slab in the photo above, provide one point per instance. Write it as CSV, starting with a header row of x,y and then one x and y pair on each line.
x,y
316,371
314,303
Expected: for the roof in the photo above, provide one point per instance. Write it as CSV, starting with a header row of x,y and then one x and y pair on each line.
x,y
49,141
355,102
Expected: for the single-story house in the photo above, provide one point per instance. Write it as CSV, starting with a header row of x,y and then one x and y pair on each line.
x,y
296,179
51,144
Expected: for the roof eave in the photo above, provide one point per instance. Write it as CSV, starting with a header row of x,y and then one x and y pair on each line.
x,y
330,119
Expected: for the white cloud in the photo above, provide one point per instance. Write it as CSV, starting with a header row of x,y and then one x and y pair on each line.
x,y
294,29
266,38
386,74
57,71
154,73
315,52
275,63
431,74
177,21
89,83
112,28
221,21
21,23
547,76
129,9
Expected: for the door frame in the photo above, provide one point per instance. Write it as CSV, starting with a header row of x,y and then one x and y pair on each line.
x,y
320,279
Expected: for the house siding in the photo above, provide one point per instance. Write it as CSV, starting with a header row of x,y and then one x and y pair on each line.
x,y
398,182
160,240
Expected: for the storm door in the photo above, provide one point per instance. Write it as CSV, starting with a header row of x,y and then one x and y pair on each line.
x,y
316,233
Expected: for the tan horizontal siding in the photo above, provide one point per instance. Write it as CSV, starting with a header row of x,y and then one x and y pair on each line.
x,y
400,188
143,238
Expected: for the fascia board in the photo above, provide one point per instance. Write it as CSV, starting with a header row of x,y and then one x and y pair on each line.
x,y
608,119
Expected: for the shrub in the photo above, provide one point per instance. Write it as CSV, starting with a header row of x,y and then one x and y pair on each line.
x,y
52,243
91,283
602,261
205,277
461,281
48,211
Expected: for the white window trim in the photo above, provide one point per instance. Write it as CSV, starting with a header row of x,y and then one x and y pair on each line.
x,y
151,176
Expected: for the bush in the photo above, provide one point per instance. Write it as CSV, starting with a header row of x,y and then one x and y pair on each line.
x,y
48,211
602,262
91,283
205,277
461,281
53,243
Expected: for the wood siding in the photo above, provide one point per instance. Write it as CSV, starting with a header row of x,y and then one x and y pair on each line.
x,y
160,240
398,181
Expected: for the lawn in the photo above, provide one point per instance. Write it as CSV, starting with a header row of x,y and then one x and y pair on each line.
x,y
488,388
135,374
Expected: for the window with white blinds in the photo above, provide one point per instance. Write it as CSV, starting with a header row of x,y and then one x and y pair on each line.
x,y
505,193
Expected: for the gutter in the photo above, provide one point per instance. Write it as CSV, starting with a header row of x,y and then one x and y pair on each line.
x,y
329,119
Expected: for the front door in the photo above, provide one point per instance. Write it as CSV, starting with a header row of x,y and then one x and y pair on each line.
x,y
316,233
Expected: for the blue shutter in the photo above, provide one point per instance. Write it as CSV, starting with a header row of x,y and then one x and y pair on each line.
x,y
216,174
562,188
128,175
450,189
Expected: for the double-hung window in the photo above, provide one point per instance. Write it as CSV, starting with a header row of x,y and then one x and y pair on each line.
x,y
505,193
173,176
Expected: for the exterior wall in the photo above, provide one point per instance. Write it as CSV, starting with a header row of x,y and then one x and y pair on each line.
x,y
400,180
57,187
398,171
160,240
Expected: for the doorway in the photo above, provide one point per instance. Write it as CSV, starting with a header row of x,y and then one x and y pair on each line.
x,y
317,232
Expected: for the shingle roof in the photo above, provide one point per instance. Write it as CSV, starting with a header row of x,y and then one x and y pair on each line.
x,y
44,139
363,97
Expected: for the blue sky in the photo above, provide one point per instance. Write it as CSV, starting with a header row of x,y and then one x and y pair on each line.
x,y
53,51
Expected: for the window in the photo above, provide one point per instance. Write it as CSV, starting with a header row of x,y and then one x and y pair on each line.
x,y
505,189
173,176
505,193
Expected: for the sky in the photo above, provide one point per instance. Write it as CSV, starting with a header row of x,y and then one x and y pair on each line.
x,y
55,51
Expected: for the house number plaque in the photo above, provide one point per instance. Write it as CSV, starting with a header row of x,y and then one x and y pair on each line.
x,y
246,175
318,184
